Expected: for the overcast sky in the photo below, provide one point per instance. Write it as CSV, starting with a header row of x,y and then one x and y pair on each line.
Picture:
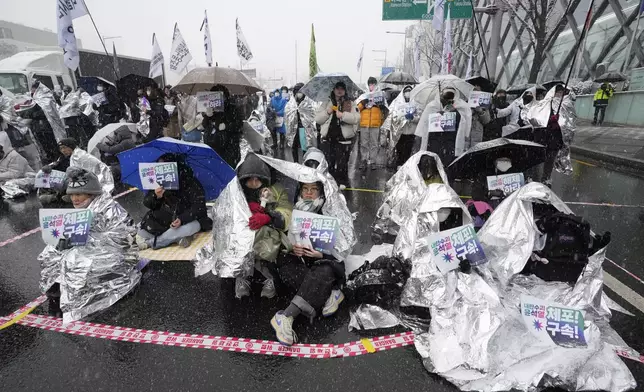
x,y
271,29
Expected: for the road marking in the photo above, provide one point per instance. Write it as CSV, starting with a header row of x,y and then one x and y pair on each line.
x,y
584,163
624,291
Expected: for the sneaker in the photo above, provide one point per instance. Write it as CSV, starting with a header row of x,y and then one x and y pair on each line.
x,y
268,290
186,241
332,304
242,288
283,327
141,243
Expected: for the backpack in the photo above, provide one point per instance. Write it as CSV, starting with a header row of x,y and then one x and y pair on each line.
x,y
17,139
380,282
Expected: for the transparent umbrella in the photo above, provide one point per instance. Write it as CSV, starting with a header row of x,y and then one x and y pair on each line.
x,y
431,88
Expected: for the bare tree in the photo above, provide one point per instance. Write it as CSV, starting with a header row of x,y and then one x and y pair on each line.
x,y
430,45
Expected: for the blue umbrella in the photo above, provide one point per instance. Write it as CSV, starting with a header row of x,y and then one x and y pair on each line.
x,y
209,169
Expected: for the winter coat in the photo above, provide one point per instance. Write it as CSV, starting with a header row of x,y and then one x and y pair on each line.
x,y
120,141
61,164
13,165
350,118
480,118
370,117
279,104
158,119
222,132
110,111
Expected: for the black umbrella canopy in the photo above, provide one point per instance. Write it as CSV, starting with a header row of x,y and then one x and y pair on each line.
x,y
518,90
552,83
480,158
128,85
399,79
485,84
611,77
203,79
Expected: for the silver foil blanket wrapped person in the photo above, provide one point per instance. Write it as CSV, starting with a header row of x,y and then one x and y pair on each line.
x,y
306,111
45,99
397,121
257,136
95,276
71,105
81,158
477,338
402,192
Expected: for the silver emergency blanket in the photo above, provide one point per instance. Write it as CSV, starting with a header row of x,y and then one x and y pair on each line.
x,y
540,114
315,154
81,158
6,109
70,106
87,107
307,116
464,127
334,206
397,120
477,338
18,187
93,277
230,254
44,97
402,193
256,133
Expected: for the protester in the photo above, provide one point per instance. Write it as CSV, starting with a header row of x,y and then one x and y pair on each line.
x,y
82,280
223,130
480,118
159,117
271,216
12,164
516,112
299,119
175,216
405,144
171,98
119,141
76,124
600,102
110,110
337,118
493,129
50,197
18,133
317,278
372,115
278,103
315,159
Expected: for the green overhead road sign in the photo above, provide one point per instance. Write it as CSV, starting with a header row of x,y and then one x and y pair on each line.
x,y
423,9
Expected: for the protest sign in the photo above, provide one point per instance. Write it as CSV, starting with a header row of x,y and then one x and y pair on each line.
x,y
480,99
553,323
70,223
445,122
449,247
507,183
53,180
210,99
99,99
316,231
159,174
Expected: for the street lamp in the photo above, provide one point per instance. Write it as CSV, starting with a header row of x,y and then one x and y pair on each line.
x,y
404,46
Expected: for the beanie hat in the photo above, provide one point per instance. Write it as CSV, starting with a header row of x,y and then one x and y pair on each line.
x,y
68,142
81,181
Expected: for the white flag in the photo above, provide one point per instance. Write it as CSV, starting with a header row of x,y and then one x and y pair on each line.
x,y
468,73
446,63
156,61
66,12
180,54
207,43
243,50
360,58
417,64
439,12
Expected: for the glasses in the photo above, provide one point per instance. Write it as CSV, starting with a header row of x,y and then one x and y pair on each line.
x,y
307,190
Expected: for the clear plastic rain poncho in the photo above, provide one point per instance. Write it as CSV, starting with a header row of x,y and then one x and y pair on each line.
x,y
306,109
464,127
44,97
70,105
477,338
95,276
540,114
402,192
397,119
230,255
81,158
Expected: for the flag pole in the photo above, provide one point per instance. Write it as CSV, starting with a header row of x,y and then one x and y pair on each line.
x,y
634,37
116,76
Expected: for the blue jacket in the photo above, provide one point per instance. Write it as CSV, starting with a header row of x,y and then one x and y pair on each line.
x,y
279,104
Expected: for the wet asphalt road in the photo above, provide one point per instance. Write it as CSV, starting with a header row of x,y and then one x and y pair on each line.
x,y
170,298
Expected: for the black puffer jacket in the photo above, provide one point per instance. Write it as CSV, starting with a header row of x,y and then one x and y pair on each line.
x,y
224,141
121,140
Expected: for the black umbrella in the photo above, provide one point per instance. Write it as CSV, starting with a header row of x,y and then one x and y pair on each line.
x,y
545,136
518,90
486,85
128,85
399,78
480,158
552,83
611,77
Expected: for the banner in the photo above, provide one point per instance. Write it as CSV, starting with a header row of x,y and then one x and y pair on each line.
x,y
507,183
480,99
180,54
53,180
446,61
318,232
448,248
445,122
207,43
210,100
439,11
553,323
243,50
313,57
156,61
59,223
66,12
159,174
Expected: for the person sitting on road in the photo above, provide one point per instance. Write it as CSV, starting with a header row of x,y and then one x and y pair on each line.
x,y
314,158
121,140
12,164
271,215
317,278
175,216
49,197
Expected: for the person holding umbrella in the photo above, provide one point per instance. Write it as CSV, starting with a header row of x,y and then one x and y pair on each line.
x,y
223,130
337,118
600,101
110,110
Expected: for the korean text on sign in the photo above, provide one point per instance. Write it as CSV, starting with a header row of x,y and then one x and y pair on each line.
x,y
553,323
57,224
154,175
449,247
317,231
210,100
507,183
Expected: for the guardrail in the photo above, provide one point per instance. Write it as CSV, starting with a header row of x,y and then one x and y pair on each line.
x,y
625,108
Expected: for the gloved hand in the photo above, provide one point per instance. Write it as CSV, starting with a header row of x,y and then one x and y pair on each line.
x,y
46,169
259,220
409,116
255,207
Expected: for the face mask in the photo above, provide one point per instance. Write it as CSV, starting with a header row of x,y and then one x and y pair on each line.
x,y
443,214
527,99
372,87
503,165
99,88
284,95
448,97
209,112
406,95
300,96
252,194
501,98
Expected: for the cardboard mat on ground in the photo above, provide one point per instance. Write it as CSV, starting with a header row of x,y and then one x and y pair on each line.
x,y
177,253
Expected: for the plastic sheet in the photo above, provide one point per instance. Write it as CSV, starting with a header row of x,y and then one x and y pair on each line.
x,y
44,97
81,158
402,192
306,111
70,106
397,119
95,276
464,128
